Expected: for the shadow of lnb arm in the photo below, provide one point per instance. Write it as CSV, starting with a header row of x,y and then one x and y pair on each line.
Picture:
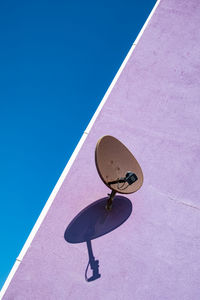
x,y
94,264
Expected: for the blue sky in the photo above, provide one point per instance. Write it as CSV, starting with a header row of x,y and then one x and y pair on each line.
x,y
57,59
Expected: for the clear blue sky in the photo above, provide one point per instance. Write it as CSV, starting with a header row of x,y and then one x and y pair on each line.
x,y
57,59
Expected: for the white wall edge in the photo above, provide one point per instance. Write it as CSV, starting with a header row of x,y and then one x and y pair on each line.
x,y
71,160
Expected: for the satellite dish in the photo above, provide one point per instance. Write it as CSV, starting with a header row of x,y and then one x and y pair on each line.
x,y
117,167
121,172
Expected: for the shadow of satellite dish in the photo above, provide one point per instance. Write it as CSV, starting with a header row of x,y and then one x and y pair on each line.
x,y
95,221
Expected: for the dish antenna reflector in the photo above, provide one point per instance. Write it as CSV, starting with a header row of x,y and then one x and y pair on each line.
x,y
117,167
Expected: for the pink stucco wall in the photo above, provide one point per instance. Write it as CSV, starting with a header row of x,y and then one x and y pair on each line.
x,y
154,109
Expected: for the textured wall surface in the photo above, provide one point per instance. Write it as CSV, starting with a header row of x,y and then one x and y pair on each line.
x,y
154,109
